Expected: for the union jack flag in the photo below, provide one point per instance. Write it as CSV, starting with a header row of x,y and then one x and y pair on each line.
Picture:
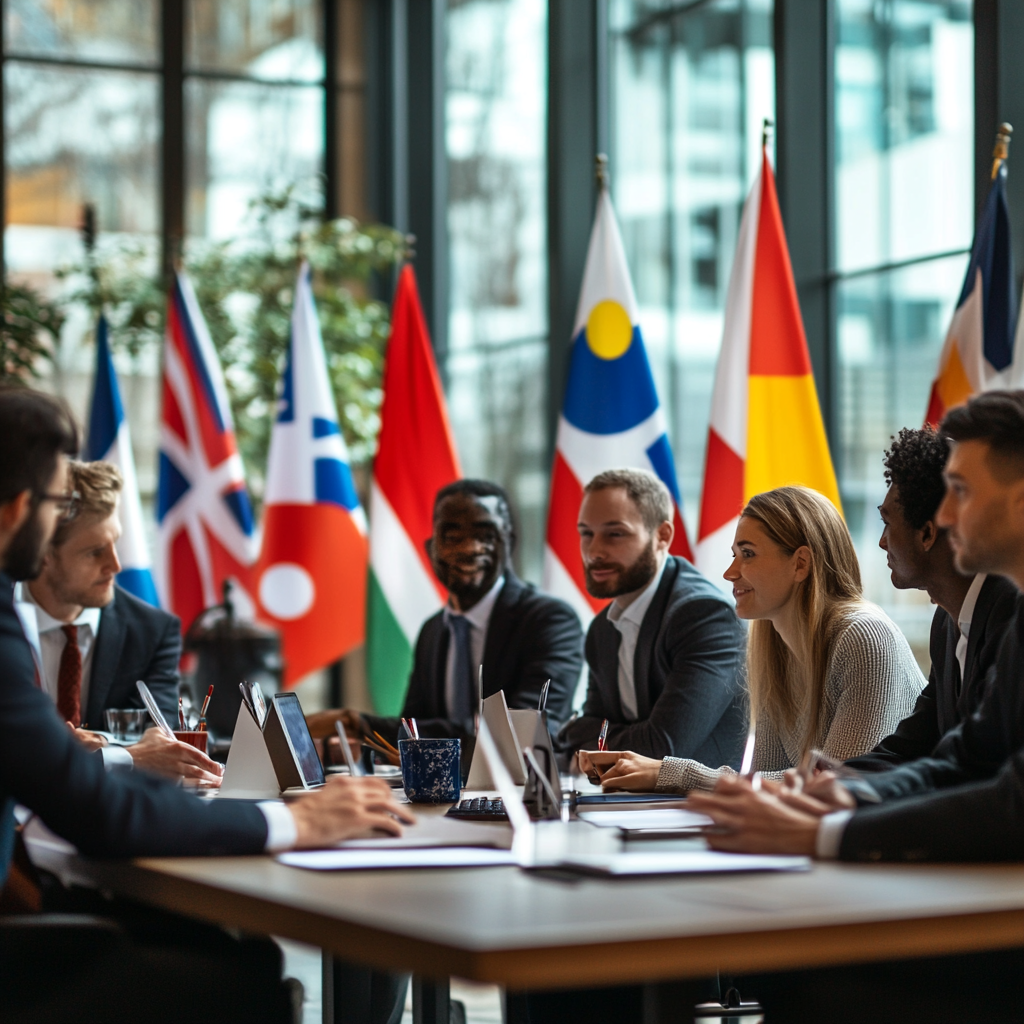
x,y
206,532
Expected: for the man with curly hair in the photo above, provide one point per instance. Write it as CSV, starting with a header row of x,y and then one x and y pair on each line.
x,y
972,611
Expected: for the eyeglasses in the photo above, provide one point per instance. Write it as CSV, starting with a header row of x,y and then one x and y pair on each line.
x,y
67,504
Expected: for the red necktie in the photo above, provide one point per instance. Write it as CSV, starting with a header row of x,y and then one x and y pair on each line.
x,y
69,679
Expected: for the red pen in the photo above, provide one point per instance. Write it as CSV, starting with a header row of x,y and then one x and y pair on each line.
x,y
206,704
602,736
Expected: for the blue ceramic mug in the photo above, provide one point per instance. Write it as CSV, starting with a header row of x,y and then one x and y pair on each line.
x,y
430,770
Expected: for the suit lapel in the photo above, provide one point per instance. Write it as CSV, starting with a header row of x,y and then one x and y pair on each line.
x,y
644,654
979,620
949,696
500,630
606,641
105,659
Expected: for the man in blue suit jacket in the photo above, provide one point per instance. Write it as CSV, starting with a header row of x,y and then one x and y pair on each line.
x,y
118,814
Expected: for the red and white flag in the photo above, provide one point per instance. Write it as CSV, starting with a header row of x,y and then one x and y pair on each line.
x,y
311,577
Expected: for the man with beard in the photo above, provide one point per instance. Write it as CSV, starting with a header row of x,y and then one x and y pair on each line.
x,y
64,972
666,655
520,637
972,611
92,640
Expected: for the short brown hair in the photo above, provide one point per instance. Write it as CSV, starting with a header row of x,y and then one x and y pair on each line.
x,y
995,418
97,486
644,489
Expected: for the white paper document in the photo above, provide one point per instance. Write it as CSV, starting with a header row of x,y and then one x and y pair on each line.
x,y
439,831
376,860
670,818
695,862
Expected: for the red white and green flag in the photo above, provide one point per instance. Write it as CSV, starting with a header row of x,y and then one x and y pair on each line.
x,y
415,458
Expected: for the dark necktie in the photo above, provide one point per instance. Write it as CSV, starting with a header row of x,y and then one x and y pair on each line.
x,y
463,691
69,679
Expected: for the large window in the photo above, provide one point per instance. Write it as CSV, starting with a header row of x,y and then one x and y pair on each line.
x,y
904,203
690,87
495,122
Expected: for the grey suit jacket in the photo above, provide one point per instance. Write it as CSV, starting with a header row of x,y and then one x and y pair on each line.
x,y
687,671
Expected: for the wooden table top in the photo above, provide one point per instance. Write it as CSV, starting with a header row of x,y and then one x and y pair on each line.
x,y
523,930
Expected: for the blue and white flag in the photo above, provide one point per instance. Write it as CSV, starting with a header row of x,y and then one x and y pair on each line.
x,y
109,441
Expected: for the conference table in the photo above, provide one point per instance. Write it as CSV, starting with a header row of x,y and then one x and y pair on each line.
x,y
525,930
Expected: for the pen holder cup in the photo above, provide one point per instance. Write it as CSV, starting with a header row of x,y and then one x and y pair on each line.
x,y
195,738
430,770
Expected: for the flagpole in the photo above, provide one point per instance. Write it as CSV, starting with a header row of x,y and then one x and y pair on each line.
x,y
1001,150
766,130
601,171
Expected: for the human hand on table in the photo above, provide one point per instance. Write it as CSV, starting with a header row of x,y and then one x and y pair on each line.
x,y
773,819
163,755
321,725
824,787
90,740
620,769
344,808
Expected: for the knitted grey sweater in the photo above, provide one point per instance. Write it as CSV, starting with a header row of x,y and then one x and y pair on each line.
x,y
873,683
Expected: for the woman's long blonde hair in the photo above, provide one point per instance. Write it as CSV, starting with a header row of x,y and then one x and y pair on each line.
x,y
786,687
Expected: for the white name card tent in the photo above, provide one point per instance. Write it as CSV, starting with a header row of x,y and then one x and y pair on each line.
x,y
494,711
249,773
280,756
513,731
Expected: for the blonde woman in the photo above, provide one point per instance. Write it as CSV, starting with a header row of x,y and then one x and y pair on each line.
x,y
825,668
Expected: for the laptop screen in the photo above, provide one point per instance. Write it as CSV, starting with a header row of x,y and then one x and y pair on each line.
x,y
294,722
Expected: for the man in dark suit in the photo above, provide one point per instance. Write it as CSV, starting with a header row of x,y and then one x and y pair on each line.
x,y
665,657
963,803
972,611
92,640
123,814
520,637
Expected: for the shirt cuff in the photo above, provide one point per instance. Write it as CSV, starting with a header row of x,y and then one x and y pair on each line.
x,y
830,834
281,830
116,757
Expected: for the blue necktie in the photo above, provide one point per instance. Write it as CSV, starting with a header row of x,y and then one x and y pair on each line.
x,y
463,691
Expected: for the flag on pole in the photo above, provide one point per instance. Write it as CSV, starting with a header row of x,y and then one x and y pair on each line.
x,y
415,458
611,417
766,429
978,353
110,441
205,533
312,566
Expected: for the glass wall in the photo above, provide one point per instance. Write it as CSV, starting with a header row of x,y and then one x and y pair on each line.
x,y
904,201
254,105
690,88
495,125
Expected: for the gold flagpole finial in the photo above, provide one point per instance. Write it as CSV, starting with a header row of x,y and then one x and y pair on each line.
x,y
1001,150
766,130
601,171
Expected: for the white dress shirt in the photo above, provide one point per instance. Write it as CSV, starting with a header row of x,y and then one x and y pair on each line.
x,y
963,620
832,827
479,618
628,621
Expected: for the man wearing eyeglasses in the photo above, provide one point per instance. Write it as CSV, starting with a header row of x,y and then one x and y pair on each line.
x,y
92,640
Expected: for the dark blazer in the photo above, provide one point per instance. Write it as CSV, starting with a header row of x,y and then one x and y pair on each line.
x,y
946,701
687,671
531,637
135,641
966,801
105,814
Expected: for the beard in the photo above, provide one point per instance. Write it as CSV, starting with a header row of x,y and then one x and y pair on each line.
x,y
23,559
630,578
